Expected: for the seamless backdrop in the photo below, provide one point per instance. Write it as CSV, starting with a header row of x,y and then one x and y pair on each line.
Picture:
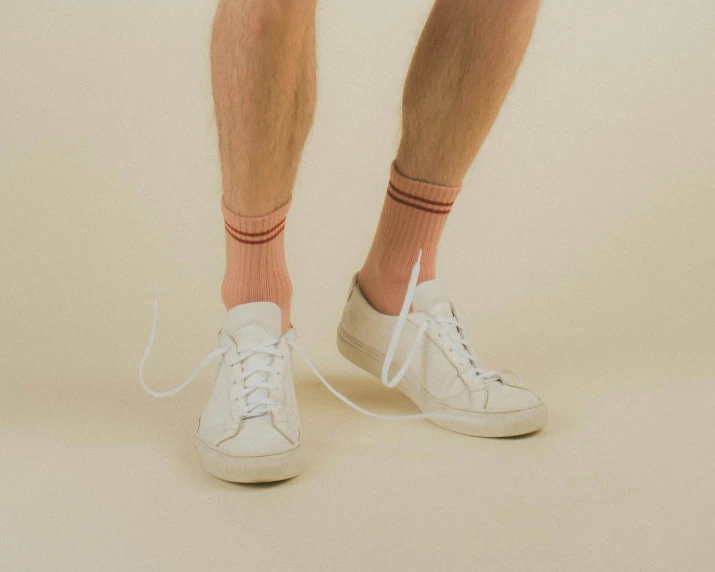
x,y
581,249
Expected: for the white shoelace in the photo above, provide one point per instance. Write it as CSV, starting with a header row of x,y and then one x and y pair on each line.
x,y
459,344
150,344
455,333
255,376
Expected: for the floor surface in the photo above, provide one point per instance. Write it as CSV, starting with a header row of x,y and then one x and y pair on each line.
x,y
105,478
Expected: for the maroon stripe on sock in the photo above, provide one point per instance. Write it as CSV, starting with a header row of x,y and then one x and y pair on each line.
x,y
414,206
420,199
244,241
242,233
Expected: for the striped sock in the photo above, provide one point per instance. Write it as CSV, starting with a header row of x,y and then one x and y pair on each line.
x,y
256,269
413,216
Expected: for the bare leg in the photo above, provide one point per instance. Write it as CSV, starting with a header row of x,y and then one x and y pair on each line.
x,y
263,75
464,64
463,67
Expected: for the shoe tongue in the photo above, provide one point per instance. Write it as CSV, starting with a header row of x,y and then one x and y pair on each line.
x,y
253,323
430,297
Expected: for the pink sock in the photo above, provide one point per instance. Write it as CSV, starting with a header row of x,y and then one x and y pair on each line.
x,y
256,269
413,216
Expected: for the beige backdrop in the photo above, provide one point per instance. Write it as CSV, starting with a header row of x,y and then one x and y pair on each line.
x,y
581,248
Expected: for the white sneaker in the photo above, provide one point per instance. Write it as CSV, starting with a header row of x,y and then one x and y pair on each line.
x,y
249,431
428,352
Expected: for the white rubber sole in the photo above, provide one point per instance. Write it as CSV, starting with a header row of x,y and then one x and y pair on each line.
x,y
264,469
487,424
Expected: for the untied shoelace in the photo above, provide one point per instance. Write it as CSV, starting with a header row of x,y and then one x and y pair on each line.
x,y
254,382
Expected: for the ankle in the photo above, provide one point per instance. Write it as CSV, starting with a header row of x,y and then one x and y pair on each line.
x,y
256,269
412,219
384,289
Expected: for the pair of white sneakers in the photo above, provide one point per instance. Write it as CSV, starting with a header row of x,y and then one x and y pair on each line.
x,y
250,429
